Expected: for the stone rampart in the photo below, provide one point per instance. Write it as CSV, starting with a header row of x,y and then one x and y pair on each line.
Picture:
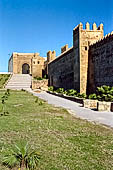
x,y
101,63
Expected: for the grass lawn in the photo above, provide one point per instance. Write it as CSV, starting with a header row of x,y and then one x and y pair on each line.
x,y
63,141
3,79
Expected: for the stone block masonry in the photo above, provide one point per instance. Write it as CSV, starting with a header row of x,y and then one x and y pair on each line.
x,y
26,63
91,104
100,71
70,69
84,66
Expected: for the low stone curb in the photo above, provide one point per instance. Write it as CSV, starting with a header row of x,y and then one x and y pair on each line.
x,y
74,99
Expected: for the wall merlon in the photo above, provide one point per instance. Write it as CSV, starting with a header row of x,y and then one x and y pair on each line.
x,y
100,27
54,52
64,48
87,26
112,33
102,41
81,26
49,52
94,27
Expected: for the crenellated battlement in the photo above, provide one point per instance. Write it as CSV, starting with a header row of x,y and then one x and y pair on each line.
x,y
87,27
105,39
64,48
51,55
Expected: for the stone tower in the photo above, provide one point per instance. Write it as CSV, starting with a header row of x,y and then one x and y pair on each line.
x,y
82,38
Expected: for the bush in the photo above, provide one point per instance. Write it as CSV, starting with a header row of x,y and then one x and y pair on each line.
x,y
93,96
38,78
83,95
105,93
21,155
51,88
60,90
71,92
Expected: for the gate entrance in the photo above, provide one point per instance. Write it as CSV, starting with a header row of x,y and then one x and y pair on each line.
x,y
25,68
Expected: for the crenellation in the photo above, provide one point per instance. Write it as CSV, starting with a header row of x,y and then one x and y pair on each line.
x,y
100,27
84,66
84,40
64,48
94,27
87,26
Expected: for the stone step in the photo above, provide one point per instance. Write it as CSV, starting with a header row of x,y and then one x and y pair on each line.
x,y
18,85
19,81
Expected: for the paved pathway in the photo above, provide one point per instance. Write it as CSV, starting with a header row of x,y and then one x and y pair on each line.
x,y
105,118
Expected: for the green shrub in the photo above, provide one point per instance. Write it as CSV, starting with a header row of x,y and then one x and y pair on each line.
x,y
71,92
82,95
93,96
60,90
21,155
105,93
50,88
38,78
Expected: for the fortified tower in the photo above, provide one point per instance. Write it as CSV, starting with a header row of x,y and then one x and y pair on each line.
x,y
82,39
51,55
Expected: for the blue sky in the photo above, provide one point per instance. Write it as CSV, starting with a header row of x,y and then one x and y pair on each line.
x,y
43,25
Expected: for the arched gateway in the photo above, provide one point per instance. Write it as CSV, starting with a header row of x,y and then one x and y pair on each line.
x,y
25,68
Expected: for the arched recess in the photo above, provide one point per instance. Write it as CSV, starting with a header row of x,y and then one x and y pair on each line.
x,y
25,68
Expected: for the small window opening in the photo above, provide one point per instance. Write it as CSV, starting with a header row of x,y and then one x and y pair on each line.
x,y
85,48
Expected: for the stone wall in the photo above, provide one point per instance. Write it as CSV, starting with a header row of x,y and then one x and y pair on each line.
x,y
91,104
70,69
82,67
40,84
101,63
104,106
86,37
35,62
61,70
10,65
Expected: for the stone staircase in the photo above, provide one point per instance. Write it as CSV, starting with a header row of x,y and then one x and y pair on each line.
x,y
19,81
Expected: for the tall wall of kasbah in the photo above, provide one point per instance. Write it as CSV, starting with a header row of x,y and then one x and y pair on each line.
x,y
61,70
84,66
100,70
51,55
70,69
86,37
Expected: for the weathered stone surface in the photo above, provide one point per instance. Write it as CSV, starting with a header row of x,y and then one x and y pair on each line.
x,y
92,104
104,106
40,84
85,66
61,70
32,60
100,71
70,69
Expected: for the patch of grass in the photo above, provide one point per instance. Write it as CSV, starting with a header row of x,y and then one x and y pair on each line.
x,y
63,141
3,79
